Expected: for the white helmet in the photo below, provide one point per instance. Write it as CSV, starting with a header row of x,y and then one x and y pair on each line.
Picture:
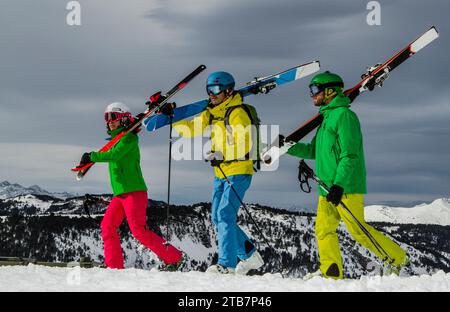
x,y
117,107
117,111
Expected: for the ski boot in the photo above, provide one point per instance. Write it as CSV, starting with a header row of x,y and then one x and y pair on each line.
x,y
176,266
253,263
403,269
220,269
309,276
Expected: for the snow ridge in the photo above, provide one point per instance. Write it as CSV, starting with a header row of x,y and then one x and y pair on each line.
x,y
437,212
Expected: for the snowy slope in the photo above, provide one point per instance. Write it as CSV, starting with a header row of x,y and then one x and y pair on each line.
x,y
438,212
39,278
29,200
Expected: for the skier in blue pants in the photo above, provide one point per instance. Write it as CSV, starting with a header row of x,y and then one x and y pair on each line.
x,y
229,146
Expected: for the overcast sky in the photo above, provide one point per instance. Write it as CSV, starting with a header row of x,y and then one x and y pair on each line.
x,y
56,80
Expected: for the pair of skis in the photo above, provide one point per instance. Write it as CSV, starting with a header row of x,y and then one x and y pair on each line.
x,y
375,76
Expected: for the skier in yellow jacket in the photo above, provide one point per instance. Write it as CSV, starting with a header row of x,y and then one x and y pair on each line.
x,y
229,150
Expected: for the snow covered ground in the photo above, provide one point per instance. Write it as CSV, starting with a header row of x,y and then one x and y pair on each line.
x,y
40,278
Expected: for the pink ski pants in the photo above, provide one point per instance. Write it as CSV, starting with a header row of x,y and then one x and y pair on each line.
x,y
133,206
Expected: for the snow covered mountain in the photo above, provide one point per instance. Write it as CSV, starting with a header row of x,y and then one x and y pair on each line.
x,y
438,212
8,190
52,229
15,198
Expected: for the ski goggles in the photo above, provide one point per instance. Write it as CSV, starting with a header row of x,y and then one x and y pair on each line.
x,y
215,89
314,90
114,116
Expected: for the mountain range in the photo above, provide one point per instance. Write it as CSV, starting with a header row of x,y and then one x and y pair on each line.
x,y
10,190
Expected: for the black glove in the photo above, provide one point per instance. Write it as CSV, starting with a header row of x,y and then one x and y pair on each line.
x,y
335,194
280,141
86,158
167,109
216,162
215,158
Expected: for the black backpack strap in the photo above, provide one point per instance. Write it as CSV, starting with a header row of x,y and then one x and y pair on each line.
x,y
232,108
253,122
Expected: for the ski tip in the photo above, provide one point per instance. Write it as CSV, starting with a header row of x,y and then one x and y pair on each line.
x,y
316,65
78,168
424,40
79,176
313,64
435,29
307,69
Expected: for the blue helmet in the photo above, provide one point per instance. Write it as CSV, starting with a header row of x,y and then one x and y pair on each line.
x,y
219,81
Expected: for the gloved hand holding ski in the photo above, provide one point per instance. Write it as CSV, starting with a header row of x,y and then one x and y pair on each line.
x,y
215,158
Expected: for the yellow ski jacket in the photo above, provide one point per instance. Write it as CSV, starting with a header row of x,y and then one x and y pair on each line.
x,y
234,143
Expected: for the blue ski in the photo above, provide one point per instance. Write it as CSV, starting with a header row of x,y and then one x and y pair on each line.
x,y
259,85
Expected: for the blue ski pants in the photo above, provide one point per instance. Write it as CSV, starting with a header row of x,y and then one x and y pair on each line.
x,y
233,243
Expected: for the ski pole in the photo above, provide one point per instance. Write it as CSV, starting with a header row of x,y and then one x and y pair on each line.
x,y
91,200
305,173
168,180
250,216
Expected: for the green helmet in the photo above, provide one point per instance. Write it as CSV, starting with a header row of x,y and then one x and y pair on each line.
x,y
326,80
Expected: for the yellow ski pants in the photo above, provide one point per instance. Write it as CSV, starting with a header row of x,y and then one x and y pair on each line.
x,y
327,221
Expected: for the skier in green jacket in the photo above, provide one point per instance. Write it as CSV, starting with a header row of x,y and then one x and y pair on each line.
x,y
130,194
338,150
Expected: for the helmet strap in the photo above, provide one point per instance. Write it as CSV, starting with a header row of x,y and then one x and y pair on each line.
x,y
229,92
329,94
